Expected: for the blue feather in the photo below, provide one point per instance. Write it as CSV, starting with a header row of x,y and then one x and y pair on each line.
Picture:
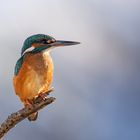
x,y
19,65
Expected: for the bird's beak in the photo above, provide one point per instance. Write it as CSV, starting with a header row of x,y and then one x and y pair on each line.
x,y
64,43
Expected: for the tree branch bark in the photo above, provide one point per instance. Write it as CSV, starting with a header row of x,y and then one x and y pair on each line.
x,y
20,115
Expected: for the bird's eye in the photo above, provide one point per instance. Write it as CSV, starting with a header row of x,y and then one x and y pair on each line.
x,y
44,41
51,41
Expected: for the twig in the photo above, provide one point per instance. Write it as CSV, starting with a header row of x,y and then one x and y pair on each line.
x,y
20,115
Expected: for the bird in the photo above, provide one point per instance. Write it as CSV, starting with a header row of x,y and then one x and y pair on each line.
x,y
33,74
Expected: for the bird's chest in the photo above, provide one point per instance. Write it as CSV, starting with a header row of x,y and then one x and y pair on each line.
x,y
38,68
40,62
35,76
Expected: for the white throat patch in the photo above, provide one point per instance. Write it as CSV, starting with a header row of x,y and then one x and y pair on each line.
x,y
29,50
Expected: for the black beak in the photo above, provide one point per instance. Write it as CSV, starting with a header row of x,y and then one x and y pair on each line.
x,y
63,43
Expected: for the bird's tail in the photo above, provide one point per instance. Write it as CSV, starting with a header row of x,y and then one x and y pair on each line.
x,y
33,116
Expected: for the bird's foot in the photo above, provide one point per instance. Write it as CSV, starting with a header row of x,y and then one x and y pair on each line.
x,y
45,93
43,96
29,104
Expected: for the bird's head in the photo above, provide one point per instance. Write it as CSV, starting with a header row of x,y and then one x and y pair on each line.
x,y
40,42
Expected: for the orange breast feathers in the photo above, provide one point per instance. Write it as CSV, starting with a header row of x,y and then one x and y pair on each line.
x,y
35,76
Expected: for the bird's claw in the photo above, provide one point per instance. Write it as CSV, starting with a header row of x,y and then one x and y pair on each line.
x,y
43,96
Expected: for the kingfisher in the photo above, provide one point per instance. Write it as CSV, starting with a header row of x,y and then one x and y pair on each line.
x,y
33,73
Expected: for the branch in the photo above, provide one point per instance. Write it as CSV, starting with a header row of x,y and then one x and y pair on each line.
x,y
20,115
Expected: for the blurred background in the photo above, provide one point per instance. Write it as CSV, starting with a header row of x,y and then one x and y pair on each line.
x,y
96,83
